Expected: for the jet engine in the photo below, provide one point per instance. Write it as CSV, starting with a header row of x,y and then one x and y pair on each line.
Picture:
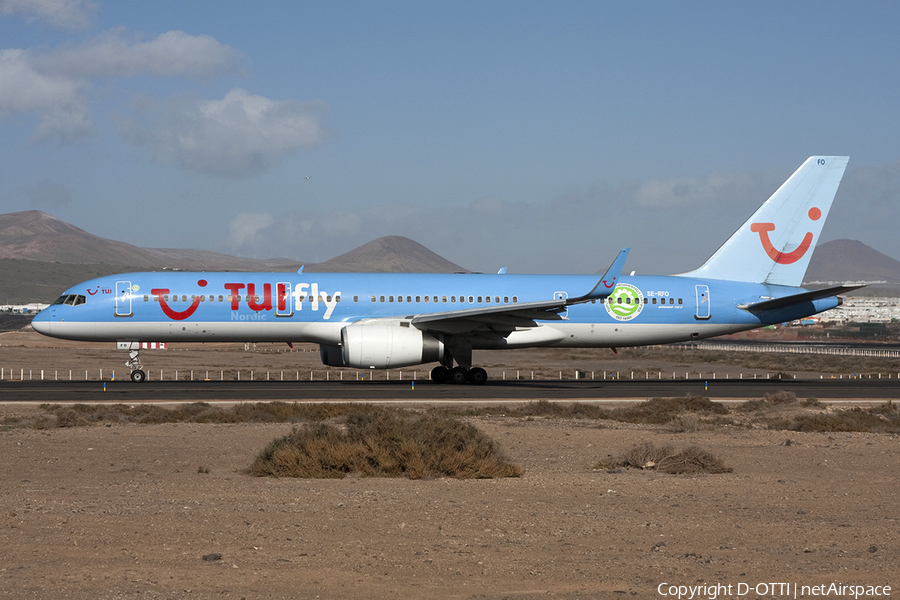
x,y
382,347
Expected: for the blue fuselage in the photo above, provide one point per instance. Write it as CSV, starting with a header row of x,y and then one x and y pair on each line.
x,y
314,307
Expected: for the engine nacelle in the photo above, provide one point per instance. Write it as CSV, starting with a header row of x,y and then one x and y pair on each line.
x,y
383,347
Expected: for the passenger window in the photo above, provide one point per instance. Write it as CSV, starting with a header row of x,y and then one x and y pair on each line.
x,y
505,299
418,298
427,299
680,301
381,298
487,299
671,300
444,299
435,298
497,299
452,299
471,299
654,301
373,298
146,298
515,299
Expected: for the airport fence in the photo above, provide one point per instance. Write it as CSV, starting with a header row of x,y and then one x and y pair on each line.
x,y
22,374
823,349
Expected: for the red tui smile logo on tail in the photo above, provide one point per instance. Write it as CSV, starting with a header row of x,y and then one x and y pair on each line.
x,y
785,258
177,315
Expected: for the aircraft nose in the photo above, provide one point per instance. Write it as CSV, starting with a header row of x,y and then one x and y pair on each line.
x,y
41,323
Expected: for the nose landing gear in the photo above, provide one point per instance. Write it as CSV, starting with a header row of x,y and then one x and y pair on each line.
x,y
134,363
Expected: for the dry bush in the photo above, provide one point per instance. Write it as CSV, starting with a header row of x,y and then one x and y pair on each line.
x,y
691,460
78,415
571,410
658,411
879,419
385,443
780,398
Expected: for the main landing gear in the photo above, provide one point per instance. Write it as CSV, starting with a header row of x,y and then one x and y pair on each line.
x,y
134,363
442,374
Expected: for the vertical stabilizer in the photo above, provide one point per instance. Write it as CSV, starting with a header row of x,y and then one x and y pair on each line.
x,y
775,244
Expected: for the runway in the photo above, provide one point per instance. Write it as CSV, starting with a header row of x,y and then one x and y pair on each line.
x,y
843,390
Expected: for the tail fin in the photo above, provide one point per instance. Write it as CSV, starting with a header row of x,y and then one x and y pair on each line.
x,y
776,243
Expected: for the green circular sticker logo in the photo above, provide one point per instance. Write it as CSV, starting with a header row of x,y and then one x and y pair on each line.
x,y
625,303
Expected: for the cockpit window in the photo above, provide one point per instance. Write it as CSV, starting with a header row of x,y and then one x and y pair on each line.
x,y
71,300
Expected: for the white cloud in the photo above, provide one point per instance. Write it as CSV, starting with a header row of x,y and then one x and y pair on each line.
x,y
682,191
117,53
63,14
244,228
54,83
238,136
58,101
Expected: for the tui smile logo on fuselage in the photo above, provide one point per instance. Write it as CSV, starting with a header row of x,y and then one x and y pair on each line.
x,y
785,258
176,315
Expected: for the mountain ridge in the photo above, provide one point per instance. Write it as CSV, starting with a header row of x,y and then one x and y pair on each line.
x,y
41,255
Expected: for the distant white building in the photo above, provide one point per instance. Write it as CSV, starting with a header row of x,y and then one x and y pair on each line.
x,y
864,310
34,307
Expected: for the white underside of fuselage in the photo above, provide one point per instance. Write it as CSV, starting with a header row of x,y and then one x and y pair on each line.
x,y
559,334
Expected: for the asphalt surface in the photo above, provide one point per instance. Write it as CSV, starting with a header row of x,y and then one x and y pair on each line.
x,y
425,391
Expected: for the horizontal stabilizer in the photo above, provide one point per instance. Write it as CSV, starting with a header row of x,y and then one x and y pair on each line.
x,y
757,307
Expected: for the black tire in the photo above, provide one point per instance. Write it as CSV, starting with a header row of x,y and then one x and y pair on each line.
x,y
440,374
138,376
459,375
477,376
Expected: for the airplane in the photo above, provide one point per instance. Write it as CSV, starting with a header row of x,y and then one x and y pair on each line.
x,y
393,320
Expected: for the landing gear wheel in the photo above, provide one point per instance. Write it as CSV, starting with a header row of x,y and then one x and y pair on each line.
x,y
138,376
440,374
477,376
458,375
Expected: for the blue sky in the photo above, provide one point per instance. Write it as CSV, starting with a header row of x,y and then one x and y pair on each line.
x,y
522,134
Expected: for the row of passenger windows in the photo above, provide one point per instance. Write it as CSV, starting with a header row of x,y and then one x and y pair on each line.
x,y
337,298
444,299
75,300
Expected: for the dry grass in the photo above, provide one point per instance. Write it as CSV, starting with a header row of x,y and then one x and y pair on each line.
x,y
79,415
665,459
385,443
779,410
880,419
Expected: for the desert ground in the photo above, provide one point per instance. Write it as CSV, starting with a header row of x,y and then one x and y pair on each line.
x,y
125,512
121,511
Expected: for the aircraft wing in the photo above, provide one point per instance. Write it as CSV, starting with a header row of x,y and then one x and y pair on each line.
x,y
524,314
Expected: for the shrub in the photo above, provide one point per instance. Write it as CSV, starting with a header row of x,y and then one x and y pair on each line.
x,y
658,411
691,460
385,443
855,419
